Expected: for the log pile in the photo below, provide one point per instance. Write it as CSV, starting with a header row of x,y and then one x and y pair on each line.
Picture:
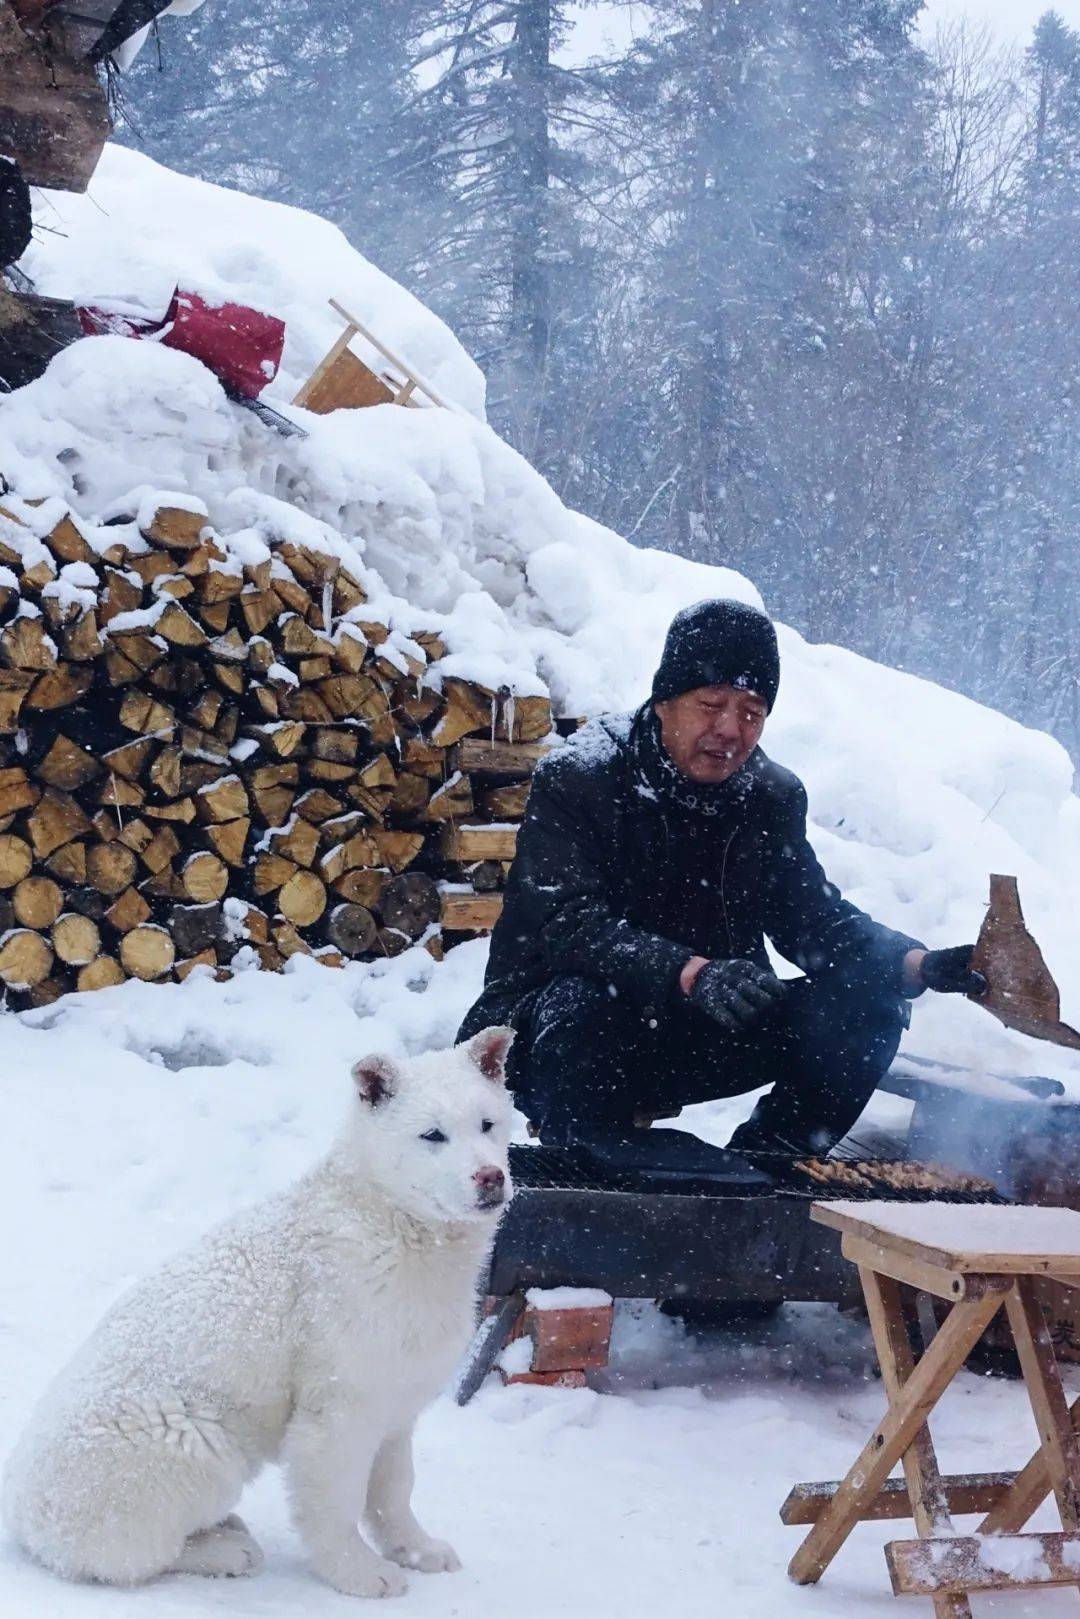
x,y
211,745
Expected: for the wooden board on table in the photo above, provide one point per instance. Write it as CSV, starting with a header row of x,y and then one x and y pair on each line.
x,y
966,1237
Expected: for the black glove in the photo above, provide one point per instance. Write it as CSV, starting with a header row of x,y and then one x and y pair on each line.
x,y
950,972
735,993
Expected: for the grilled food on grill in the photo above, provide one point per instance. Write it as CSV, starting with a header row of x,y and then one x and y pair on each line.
x,y
897,1175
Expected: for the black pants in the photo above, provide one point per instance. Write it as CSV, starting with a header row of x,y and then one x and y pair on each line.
x,y
585,1056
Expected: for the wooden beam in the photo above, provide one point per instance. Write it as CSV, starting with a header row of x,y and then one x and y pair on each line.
x,y
944,1284
892,1337
964,1493
1026,1493
960,1563
1049,1406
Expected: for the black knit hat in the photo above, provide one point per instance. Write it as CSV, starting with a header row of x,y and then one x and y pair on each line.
x,y
719,643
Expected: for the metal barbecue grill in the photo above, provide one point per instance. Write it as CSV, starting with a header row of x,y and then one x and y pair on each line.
x,y
575,1222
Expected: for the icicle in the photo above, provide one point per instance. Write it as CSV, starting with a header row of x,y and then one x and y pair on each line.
x,y
327,605
510,712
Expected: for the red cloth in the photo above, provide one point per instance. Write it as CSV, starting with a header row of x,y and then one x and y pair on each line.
x,y
241,346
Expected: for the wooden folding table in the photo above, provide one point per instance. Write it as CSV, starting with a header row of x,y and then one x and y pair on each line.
x,y
978,1258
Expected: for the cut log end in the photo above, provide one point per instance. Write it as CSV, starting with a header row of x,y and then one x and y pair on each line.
x,y
147,952
352,929
302,898
25,959
76,939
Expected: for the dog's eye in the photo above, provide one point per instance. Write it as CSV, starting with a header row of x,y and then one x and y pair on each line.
x,y
434,1135
487,1125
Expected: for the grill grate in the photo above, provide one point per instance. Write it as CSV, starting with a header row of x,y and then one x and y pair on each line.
x,y
538,1168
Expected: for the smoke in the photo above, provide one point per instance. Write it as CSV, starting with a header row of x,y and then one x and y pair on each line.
x,y
1028,1146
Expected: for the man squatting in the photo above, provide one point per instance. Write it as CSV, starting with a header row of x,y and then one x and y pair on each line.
x,y
659,850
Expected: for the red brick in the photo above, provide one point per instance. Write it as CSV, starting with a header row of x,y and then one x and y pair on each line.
x,y
569,1340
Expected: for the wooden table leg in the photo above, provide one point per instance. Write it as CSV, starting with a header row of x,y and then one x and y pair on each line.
x,y
892,1338
906,1415
1043,1380
1027,1492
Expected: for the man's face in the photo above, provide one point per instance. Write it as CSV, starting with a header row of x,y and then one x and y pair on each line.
x,y
710,732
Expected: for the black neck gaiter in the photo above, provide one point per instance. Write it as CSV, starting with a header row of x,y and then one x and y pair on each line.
x,y
656,775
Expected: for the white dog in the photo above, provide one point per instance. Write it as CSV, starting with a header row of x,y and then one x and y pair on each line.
x,y
312,1330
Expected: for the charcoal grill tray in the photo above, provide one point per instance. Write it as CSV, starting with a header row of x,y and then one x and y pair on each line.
x,y
568,1169
571,1169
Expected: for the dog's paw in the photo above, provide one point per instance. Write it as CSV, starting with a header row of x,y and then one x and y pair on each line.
x,y
227,1551
372,1577
238,1556
427,1556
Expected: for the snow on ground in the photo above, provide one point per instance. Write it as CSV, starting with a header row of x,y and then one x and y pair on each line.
x,y
134,1119
136,1116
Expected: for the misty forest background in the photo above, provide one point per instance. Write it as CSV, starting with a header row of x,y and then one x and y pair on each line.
x,y
778,285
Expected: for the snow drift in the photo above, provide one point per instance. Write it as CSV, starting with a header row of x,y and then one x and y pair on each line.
x,y
916,793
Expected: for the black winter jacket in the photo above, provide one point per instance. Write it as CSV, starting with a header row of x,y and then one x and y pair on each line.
x,y
615,882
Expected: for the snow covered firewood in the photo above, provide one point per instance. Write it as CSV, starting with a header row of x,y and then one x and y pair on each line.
x,y
205,723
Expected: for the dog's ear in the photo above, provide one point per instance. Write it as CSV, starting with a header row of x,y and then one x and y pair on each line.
x,y
488,1051
375,1078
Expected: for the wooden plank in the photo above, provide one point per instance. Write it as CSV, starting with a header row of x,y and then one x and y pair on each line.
x,y
944,1284
964,1493
945,1357
478,756
471,913
892,1338
1018,1241
325,364
960,1563
1028,1491
1048,1403
347,384
474,842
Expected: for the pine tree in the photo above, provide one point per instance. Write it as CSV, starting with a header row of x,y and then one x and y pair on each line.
x,y
511,264
780,130
304,103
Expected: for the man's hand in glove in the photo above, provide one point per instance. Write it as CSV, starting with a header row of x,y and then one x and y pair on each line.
x,y
733,993
950,972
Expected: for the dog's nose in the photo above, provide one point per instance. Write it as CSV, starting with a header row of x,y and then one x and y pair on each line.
x,y
490,1185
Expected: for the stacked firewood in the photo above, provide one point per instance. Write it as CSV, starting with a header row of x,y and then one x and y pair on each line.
x,y
213,745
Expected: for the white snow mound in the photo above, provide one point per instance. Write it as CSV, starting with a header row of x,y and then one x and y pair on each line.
x,y
916,793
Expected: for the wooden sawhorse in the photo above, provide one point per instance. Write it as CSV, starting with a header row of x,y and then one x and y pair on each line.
x,y
978,1257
